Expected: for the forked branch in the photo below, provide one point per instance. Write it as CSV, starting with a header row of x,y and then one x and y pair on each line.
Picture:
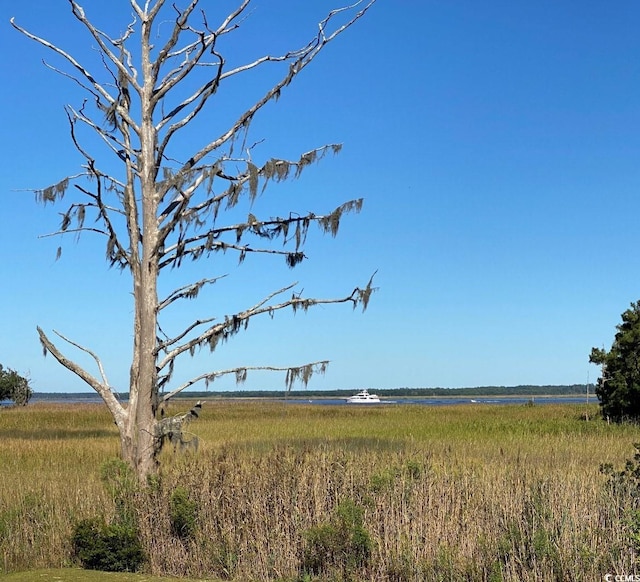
x,y
102,388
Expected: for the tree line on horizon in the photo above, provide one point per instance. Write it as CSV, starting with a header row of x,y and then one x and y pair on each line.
x,y
522,390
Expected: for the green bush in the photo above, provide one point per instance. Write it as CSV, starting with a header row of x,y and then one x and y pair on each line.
x,y
342,543
624,487
121,483
110,548
625,484
14,387
182,514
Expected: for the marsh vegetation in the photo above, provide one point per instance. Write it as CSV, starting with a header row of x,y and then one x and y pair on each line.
x,y
299,492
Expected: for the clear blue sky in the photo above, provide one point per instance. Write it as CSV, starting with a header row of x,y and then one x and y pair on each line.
x,y
497,147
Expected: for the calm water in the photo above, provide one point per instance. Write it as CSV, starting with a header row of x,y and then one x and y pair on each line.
x,y
480,401
386,401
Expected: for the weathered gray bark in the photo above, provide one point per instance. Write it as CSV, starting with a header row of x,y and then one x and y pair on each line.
x,y
138,128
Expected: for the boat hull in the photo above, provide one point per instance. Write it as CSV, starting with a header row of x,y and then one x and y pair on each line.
x,y
363,397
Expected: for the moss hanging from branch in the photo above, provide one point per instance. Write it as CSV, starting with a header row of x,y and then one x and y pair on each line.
x,y
304,373
52,193
253,180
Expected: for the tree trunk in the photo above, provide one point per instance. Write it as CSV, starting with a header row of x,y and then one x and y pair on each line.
x,y
144,385
143,389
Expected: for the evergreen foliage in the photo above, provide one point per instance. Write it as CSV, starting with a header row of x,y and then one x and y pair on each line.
x,y
108,547
618,389
114,546
14,387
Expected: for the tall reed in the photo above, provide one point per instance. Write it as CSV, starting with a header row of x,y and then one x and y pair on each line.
x,y
448,493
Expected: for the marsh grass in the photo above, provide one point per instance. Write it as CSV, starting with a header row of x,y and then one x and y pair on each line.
x,y
466,492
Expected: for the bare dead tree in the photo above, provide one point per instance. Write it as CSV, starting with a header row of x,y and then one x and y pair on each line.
x,y
163,206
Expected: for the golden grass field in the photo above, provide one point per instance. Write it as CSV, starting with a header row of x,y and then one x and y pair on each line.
x,y
464,492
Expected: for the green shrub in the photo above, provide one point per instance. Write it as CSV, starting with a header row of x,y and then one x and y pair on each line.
x,y
121,483
383,481
182,514
116,546
624,487
14,387
625,484
110,548
342,543
414,470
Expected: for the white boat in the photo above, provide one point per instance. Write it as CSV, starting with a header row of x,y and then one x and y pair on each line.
x,y
363,397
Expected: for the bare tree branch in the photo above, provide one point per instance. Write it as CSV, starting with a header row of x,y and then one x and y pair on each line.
x,y
275,169
188,291
269,229
232,324
162,346
178,27
205,43
99,37
194,253
105,382
302,373
109,139
75,79
300,58
84,72
102,388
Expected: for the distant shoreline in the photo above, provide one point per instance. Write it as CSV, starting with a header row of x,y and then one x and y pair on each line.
x,y
531,392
